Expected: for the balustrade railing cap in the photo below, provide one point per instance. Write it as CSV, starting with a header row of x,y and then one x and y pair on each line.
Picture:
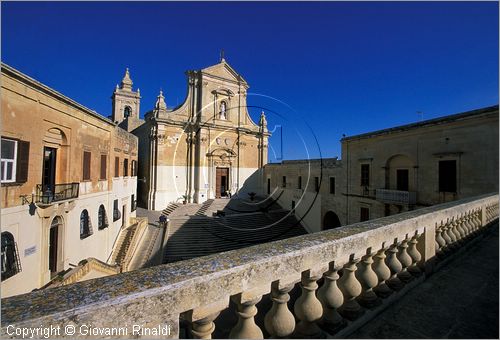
x,y
197,282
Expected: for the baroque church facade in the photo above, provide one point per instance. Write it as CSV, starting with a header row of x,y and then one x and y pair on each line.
x,y
207,147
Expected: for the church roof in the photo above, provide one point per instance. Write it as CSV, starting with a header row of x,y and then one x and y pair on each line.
x,y
224,70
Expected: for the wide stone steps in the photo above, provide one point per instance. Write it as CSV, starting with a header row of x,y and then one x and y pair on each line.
x,y
196,236
204,207
170,208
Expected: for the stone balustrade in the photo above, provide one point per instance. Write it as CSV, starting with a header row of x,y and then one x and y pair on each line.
x,y
343,274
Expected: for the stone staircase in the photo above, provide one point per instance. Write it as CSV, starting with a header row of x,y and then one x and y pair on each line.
x,y
170,208
204,207
123,244
195,236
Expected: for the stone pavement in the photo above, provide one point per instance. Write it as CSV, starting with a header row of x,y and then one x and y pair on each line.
x,y
460,300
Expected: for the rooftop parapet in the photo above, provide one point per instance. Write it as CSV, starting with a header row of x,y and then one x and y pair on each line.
x,y
198,289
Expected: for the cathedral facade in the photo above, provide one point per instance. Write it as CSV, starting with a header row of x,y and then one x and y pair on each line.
x,y
207,147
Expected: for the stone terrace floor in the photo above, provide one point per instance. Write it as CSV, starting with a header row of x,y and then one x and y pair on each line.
x,y
459,301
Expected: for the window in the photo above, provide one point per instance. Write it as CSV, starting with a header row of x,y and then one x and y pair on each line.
x,y
316,184
9,160
85,228
133,204
10,259
268,186
299,182
133,169
86,165
364,214
365,175
116,213
293,205
448,176
125,167
102,219
104,159
283,184
332,185
127,111
402,179
117,166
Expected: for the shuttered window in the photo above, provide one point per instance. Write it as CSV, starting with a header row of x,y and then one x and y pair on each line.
x,y
104,169
125,167
23,156
117,166
86,165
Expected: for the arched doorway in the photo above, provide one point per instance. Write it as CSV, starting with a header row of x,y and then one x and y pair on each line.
x,y
55,245
331,221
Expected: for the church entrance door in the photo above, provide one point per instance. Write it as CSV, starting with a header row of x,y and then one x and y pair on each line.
x,y
221,182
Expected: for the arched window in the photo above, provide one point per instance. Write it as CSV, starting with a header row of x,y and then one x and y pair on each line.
x,y
223,108
85,228
10,258
127,111
102,218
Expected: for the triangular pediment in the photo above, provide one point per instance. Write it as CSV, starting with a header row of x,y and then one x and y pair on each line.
x,y
223,70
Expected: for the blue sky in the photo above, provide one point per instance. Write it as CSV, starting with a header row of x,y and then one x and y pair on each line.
x,y
343,67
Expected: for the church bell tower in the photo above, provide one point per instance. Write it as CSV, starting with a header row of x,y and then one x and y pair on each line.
x,y
126,104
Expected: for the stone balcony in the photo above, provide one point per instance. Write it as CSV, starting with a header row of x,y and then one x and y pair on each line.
x,y
396,196
345,275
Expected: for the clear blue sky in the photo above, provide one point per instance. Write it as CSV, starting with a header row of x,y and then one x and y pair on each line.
x,y
344,67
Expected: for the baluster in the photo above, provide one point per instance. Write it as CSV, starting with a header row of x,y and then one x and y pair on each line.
x,y
472,224
202,319
446,236
451,235
395,266
246,328
368,279
308,308
383,273
461,228
489,214
440,241
405,260
468,225
455,232
331,298
351,288
279,321
477,219
415,256
203,328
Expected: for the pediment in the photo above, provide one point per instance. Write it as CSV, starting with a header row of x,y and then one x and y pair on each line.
x,y
223,70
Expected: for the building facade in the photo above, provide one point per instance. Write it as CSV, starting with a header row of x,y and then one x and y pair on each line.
x,y
421,164
207,147
68,183
386,172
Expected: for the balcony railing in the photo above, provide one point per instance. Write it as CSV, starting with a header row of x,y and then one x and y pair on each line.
x,y
365,267
59,192
396,196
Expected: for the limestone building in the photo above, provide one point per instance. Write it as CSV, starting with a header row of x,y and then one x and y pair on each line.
x,y
68,183
205,148
385,172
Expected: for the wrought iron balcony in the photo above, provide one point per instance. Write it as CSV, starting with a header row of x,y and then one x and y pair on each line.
x,y
396,196
56,193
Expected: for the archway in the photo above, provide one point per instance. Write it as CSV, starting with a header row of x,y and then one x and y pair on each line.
x,y
331,221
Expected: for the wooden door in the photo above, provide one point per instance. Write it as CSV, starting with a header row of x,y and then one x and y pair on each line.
x,y
54,234
221,182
